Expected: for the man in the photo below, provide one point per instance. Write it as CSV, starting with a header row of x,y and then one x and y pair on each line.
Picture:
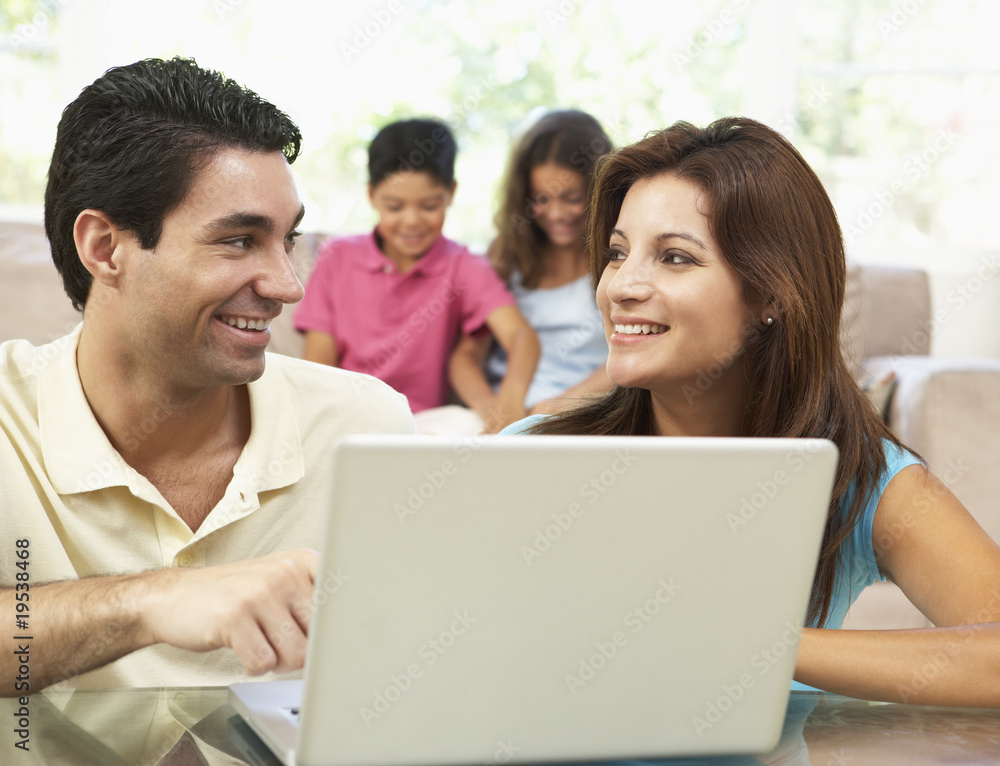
x,y
160,484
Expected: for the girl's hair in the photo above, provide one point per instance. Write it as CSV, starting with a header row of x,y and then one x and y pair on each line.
x,y
777,228
569,138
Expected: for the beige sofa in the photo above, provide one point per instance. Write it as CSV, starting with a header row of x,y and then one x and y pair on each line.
x,y
948,410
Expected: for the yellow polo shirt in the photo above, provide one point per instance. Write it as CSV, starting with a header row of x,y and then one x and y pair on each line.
x,y
86,512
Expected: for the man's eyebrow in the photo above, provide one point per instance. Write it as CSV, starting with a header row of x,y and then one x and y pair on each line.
x,y
250,221
669,235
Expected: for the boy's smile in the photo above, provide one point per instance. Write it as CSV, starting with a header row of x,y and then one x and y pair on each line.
x,y
411,206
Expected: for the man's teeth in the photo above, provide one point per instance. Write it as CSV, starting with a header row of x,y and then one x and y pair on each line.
x,y
640,329
247,324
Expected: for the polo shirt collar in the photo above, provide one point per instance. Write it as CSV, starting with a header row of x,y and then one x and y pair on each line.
x,y
79,457
432,262
273,456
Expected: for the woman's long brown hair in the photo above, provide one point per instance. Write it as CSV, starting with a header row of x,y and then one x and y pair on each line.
x,y
568,138
777,228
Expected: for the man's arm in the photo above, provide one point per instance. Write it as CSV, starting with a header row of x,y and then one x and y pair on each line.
x,y
260,609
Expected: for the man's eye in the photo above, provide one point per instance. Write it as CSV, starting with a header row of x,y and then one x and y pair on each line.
x,y
241,242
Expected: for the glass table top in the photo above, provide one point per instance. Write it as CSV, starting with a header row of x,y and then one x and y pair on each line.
x,y
194,726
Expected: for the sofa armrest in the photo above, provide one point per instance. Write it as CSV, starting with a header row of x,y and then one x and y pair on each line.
x,y
948,411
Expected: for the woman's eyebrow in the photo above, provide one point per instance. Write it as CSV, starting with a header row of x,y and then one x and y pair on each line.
x,y
681,235
669,235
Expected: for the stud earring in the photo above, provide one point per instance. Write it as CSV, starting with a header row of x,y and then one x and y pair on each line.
x,y
769,321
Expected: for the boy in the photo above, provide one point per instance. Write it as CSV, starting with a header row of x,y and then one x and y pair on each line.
x,y
393,303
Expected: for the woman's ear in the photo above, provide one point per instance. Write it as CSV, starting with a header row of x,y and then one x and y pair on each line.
x,y
764,308
98,243
770,313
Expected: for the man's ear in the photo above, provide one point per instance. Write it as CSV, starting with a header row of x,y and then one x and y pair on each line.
x,y
98,242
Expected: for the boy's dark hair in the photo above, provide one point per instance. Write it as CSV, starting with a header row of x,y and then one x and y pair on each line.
x,y
413,145
131,143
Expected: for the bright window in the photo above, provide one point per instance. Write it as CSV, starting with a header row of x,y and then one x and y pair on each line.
x,y
895,105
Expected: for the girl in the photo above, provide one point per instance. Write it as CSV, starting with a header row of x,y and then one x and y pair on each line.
x,y
540,251
719,249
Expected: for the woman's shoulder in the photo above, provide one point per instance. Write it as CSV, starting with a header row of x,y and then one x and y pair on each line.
x,y
897,457
522,425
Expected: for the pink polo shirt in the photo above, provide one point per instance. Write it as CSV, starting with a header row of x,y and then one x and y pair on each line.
x,y
400,328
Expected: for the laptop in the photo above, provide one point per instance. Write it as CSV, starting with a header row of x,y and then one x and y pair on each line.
x,y
514,599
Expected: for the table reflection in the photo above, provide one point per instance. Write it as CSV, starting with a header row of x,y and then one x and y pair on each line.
x,y
197,727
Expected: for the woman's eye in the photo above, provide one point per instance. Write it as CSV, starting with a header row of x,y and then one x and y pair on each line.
x,y
677,258
612,256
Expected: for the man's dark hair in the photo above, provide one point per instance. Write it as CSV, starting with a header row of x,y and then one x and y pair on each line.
x,y
131,143
419,145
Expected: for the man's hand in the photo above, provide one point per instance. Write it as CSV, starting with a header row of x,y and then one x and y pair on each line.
x,y
259,608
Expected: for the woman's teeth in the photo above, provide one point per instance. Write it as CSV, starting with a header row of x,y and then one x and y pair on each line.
x,y
640,329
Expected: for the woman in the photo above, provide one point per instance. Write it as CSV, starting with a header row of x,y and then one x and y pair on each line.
x,y
720,276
